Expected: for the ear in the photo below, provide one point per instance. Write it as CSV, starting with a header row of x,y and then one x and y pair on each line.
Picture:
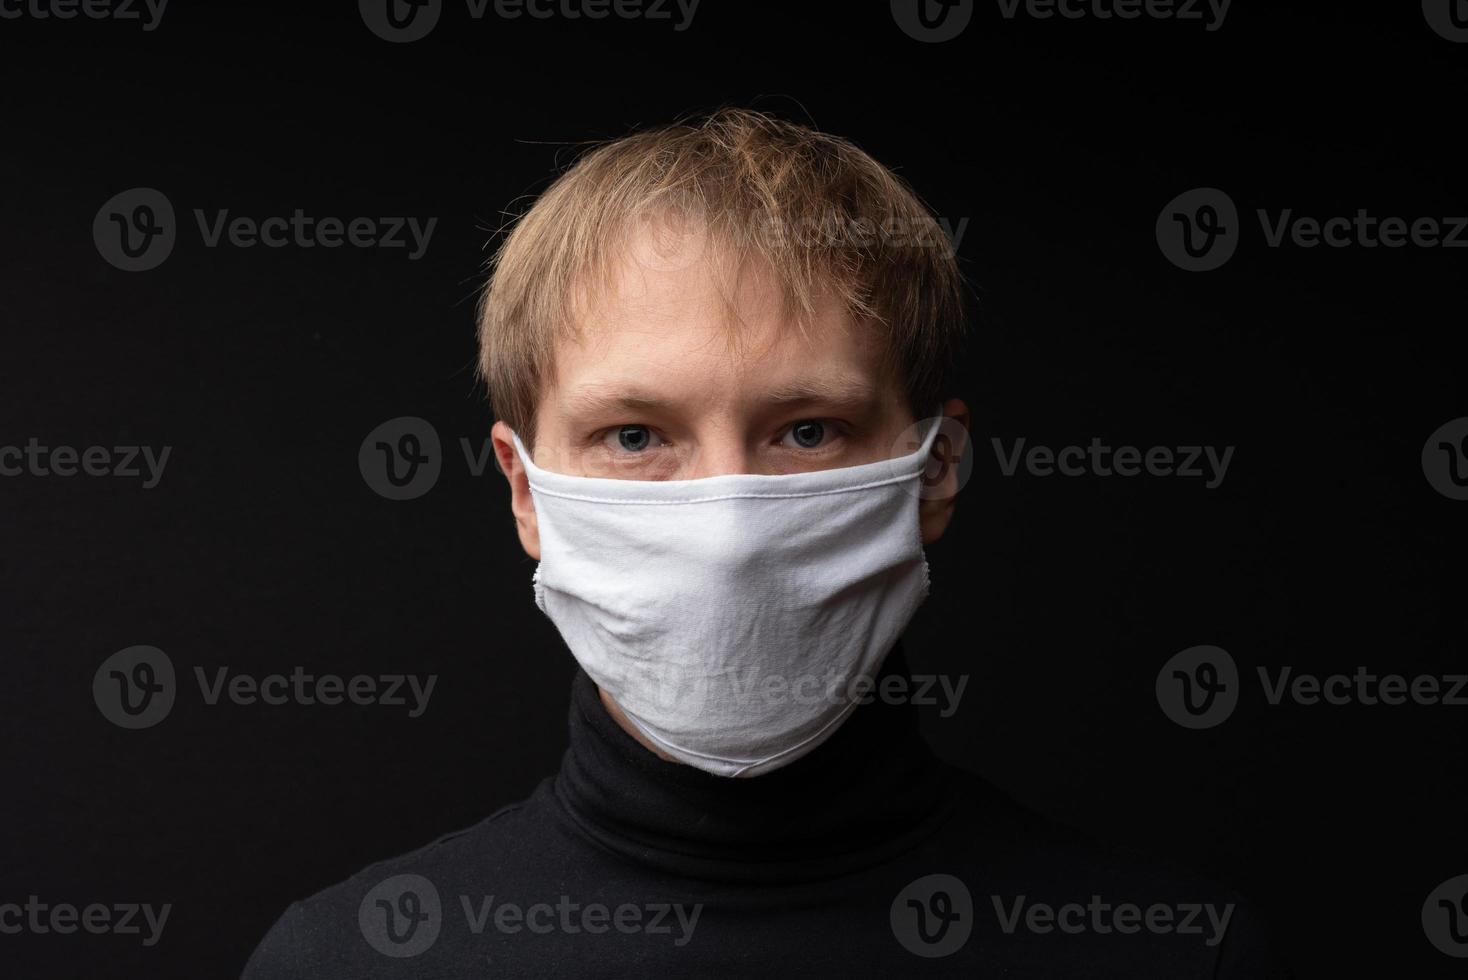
x,y
935,510
522,505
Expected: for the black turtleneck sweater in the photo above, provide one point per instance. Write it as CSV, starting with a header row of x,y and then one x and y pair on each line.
x,y
868,857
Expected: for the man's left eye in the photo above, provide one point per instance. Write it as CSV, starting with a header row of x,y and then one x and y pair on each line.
x,y
807,434
632,438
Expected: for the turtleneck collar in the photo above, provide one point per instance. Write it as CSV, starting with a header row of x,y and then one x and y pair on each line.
x,y
873,789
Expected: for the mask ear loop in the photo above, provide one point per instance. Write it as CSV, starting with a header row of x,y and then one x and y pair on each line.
x,y
532,470
917,460
520,450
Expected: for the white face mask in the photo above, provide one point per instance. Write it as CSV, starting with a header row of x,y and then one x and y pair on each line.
x,y
735,619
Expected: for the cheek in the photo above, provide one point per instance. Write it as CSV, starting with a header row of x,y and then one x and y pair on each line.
x,y
933,518
529,537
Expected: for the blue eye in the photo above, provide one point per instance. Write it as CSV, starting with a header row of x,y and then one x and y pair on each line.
x,y
634,438
808,434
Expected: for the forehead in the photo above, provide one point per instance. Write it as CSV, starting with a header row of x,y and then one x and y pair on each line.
x,y
697,320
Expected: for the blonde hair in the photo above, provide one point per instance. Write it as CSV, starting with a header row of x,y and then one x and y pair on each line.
x,y
820,213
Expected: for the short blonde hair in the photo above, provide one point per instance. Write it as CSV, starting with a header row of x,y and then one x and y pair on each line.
x,y
821,213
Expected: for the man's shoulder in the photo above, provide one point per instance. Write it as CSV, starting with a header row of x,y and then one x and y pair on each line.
x,y
372,911
1013,838
1043,883
482,842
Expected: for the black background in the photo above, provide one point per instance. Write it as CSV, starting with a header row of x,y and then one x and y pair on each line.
x,y
263,548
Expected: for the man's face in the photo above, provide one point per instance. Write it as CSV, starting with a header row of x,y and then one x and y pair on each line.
x,y
653,389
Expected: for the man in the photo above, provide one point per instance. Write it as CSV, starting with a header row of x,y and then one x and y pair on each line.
x,y
718,354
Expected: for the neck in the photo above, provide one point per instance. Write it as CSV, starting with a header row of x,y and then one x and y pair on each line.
x,y
620,717
859,797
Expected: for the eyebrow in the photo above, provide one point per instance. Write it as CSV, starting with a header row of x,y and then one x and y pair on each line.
x,y
597,398
838,391
600,397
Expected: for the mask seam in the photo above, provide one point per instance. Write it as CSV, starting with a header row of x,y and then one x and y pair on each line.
x,y
538,488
